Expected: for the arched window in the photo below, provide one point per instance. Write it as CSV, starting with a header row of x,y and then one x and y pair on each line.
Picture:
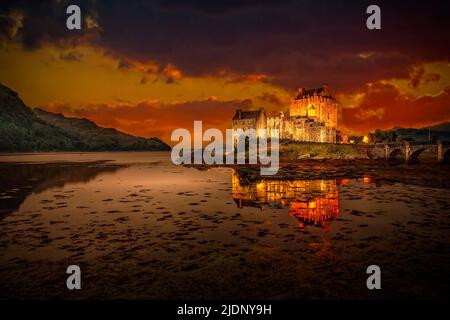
x,y
311,111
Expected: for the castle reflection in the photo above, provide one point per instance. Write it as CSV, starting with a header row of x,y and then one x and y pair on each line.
x,y
311,202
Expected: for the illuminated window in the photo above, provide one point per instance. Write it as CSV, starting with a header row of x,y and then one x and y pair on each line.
x,y
311,111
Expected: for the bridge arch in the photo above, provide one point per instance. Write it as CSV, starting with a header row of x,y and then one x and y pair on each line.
x,y
414,156
394,153
414,150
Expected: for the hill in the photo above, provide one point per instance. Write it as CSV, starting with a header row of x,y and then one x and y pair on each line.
x,y
437,132
23,129
441,127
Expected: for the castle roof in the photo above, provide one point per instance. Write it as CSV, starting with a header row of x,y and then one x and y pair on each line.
x,y
251,114
306,93
276,114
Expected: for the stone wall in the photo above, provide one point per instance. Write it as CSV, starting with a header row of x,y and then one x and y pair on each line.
x,y
320,108
376,151
303,129
275,123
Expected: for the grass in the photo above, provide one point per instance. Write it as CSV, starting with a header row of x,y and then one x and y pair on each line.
x,y
291,150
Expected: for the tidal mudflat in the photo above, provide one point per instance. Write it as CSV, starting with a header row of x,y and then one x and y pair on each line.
x,y
141,227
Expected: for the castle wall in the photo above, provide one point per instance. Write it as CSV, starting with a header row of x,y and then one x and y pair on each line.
x,y
311,133
302,129
259,124
320,108
244,124
275,123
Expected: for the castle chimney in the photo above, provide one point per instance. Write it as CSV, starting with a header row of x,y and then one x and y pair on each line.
x,y
326,89
301,91
239,113
262,111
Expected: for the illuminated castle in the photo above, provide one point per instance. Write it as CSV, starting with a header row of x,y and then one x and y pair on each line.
x,y
313,116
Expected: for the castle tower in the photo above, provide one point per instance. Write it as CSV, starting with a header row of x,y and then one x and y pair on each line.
x,y
316,104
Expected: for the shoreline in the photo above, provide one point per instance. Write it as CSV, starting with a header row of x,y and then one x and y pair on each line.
x,y
19,153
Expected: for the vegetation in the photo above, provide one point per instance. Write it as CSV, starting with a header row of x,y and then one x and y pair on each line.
x,y
438,132
25,130
292,150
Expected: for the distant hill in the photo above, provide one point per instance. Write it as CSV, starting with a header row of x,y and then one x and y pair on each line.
x,y
438,132
441,127
23,129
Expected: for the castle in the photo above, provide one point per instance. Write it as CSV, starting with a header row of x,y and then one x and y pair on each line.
x,y
313,116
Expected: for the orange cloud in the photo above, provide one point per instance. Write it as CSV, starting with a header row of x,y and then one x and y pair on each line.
x,y
383,106
252,77
420,77
153,118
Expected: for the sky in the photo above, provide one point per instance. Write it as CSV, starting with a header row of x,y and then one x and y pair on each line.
x,y
149,67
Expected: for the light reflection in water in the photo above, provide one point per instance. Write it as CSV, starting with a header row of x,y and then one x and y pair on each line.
x,y
311,202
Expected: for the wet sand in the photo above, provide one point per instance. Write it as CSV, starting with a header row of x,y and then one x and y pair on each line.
x,y
152,230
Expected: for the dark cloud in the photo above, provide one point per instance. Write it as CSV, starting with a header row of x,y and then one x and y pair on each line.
x,y
45,22
71,56
294,43
144,80
419,76
124,64
9,25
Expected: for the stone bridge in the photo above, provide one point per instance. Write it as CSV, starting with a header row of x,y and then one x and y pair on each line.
x,y
412,150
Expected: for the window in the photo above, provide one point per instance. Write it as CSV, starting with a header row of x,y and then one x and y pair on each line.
x,y
311,111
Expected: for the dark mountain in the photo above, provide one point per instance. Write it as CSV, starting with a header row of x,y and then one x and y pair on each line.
x,y
437,132
421,135
23,129
441,127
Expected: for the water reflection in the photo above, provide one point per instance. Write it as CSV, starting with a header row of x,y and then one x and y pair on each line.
x,y
19,181
145,221
311,202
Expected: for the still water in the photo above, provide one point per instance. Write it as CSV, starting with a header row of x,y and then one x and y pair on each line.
x,y
141,227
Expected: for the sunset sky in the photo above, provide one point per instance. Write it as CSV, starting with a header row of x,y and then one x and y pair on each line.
x,y
149,67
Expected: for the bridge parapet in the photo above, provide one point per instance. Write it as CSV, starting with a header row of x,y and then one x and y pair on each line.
x,y
390,144
420,143
412,150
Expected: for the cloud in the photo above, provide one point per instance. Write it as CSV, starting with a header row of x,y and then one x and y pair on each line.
x,y
253,77
420,77
10,24
153,118
71,56
92,24
41,22
293,43
383,106
124,64
171,73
